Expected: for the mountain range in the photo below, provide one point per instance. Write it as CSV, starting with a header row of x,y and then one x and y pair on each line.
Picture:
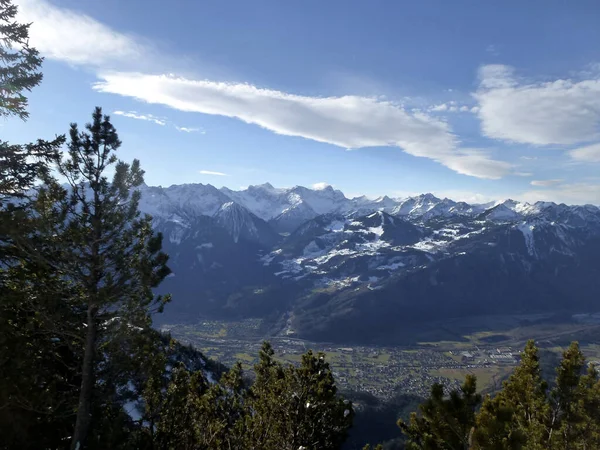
x,y
321,266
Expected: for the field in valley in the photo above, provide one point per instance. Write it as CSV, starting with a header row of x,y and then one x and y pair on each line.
x,y
487,347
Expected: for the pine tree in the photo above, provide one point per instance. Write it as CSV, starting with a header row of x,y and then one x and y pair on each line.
x,y
296,407
567,397
20,165
114,257
20,63
37,348
444,423
518,416
265,423
523,415
589,427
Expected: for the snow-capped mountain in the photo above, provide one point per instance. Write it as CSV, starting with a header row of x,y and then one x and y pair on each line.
x,y
292,217
331,264
502,212
187,201
263,200
241,223
416,206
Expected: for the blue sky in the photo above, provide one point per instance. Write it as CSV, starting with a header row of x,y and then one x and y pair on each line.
x,y
471,100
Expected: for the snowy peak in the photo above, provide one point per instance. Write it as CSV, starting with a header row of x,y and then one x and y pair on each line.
x,y
187,201
501,213
416,206
292,217
322,201
242,224
363,205
441,209
285,209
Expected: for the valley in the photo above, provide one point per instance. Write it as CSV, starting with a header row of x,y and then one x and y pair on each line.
x,y
447,352
399,293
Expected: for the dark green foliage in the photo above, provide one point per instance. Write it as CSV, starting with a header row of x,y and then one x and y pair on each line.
x,y
20,165
114,258
38,331
520,412
20,64
525,414
285,408
296,407
444,423
375,421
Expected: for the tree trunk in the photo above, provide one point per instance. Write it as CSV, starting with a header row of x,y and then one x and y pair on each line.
x,y
84,413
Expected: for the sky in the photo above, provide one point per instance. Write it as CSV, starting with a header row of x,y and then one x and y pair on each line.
x,y
471,100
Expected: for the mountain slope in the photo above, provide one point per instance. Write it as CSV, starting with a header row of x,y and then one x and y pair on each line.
x,y
242,224
366,265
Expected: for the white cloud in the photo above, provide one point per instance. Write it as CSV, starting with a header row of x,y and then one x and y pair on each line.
x,y
546,183
492,49
212,172
349,122
75,38
450,107
135,115
571,194
190,130
439,108
320,186
542,113
523,174
590,153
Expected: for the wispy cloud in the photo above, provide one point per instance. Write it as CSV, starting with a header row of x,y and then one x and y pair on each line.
x,y
348,122
523,174
190,130
492,50
320,186
546,183
76,38
212,172
542,113
135,115
345,121
452,106
590,153
440,108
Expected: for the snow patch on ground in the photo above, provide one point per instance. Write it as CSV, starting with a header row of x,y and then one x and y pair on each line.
x,y
336,226
447,232
269,257
210,377
527,231
340,283
430,246
392,266
175,236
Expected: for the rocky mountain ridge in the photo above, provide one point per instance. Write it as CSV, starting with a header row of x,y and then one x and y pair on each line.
x,y
320,264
